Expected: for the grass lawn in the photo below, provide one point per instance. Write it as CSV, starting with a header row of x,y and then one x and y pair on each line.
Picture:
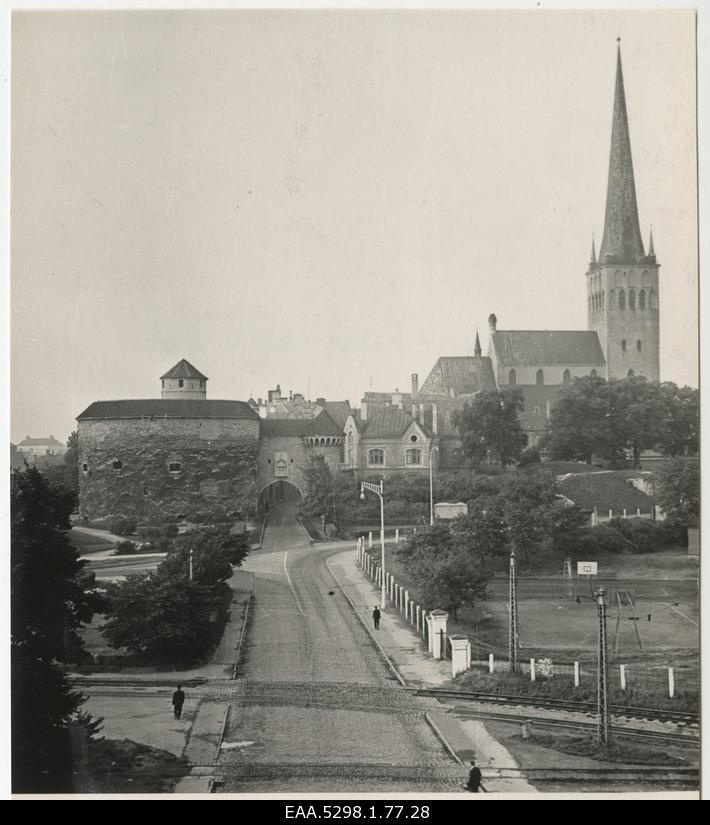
x,y
85,543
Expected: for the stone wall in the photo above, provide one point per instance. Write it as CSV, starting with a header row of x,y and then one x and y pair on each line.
x,y
284,458
196,469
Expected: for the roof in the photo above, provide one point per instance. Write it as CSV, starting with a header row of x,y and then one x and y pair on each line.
x,y
520,348
390,422
321,425
465,374
183,369
338,411
622,236
168,408
40,442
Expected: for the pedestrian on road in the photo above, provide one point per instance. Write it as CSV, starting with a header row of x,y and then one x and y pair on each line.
x,y
178,701
474,779
376,617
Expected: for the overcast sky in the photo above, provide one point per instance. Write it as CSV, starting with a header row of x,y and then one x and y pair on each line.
x,y
326,198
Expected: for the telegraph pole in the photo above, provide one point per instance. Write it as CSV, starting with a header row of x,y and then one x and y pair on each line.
x,y
190,564
603,726
513,623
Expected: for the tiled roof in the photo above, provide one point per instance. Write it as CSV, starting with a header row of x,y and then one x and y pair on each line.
x,y
519,348
40,442
168,408
321,425
464,374
338,411
183,369
390,422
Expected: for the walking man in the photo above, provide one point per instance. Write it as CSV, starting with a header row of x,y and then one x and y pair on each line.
x,y
376,617
474,779
178,701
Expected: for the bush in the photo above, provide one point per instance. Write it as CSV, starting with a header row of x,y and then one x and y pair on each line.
x,y
601,539
122,525
148,533
169,530
125,548
529,456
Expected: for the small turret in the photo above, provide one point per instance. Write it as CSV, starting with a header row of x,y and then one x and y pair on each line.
x,y
477,345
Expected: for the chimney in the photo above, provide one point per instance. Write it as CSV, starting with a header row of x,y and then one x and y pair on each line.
x,y
320,402
492,321
363,410
415,385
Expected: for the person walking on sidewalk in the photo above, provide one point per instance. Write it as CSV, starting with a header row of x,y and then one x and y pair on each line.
x,y
178,701
376,617
474,779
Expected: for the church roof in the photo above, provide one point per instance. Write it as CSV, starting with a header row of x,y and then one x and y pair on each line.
x,y
183,369
321,425
465,374
622,235
520,348
168,408
389,422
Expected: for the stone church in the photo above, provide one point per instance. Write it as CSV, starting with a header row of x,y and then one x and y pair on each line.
x,y
622,335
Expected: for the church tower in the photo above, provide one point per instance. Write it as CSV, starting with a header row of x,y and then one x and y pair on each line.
x,y
622,283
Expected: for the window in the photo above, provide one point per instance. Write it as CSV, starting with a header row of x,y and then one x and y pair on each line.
x,y
622,299
512,378
566,377
632,299
413,457
612,298
84,468
180,382
642,299
174,466
623,346
540,378
376,457
117,464
630,374
638,346
413,439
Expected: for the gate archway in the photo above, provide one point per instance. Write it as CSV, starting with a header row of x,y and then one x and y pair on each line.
x,y
277,492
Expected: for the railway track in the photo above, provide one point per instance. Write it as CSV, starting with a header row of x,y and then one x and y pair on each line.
x,y
628,712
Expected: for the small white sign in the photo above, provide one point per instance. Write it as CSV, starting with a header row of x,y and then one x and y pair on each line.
x,y
586,568
446,510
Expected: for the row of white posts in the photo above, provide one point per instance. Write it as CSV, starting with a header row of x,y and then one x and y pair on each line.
x,y
361,540
431,625
596,518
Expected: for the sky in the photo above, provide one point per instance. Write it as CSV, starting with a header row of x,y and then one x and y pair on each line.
x,y
326,200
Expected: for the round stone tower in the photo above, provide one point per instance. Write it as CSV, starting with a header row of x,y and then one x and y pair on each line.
x,y
184,382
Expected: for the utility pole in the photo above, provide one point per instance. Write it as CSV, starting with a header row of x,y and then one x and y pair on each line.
x,y
603,726
191,564
513,623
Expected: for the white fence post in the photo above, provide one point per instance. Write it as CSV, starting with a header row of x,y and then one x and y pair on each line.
x,y
622,676
491,663
624,511
369,540
396,535
576,674
460,654
532,670
671,683
424,623
638,512
611,514
419,612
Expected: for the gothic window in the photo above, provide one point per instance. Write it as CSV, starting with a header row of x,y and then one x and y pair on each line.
x,y
642,299
593,373
612,298
638,346
540,378
632,299
630,374
413,457
566,377
623,346
376,457
512,378
622,299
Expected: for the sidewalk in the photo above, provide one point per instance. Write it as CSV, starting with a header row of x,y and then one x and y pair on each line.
x,y
402,646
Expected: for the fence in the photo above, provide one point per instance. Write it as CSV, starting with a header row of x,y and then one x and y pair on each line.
x,y
431,626
602,516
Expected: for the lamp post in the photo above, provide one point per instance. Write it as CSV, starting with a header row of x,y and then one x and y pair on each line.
x,y
513,619
432,450
378,489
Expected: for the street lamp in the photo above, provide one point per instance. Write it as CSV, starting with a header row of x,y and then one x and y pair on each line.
x,y
432,450
378,489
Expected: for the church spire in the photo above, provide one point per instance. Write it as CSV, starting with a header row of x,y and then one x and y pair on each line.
x,y
651,250
622,235
477,346
593,258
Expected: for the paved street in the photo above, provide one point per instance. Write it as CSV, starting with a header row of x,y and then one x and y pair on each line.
x,y
317,710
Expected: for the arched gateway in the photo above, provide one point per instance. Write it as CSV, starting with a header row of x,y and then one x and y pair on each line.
x,y
276,492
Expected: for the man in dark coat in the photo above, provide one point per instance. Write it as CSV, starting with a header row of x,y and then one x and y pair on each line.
x,y
178,701
474,779
376,617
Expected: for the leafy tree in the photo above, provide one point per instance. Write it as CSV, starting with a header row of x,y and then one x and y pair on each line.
x,y
527,500
489,425
464,486
681,433
214,555
677,489
71,463
636,416
483,531
49,605
447,571
578,421
319,487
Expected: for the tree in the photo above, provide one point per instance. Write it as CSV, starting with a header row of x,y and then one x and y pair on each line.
x,y
214,555
677,489
489,425
447,571
526,500
578,421
681,434
49,605
71,463
319,487
637,415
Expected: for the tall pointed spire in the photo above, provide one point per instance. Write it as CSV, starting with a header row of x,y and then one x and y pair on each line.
x,y
593,258
651,250
477,346
622,235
